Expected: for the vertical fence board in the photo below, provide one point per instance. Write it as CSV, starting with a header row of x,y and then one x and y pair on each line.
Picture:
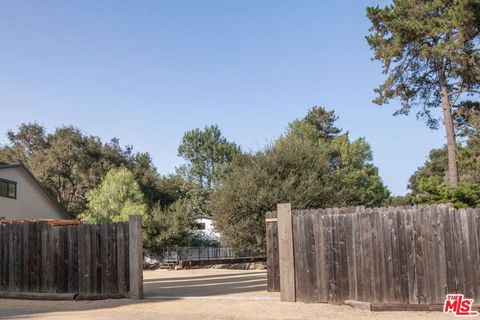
x,y
350,247
127,256
449,251
358,254
388,254
467,261
17,245
430,254
322,278
366,238
82,255
113,266
300,255
273,267
441,257
44,257
474,253
343,259
51,260
410,247
136,257
458,248
120,247
286,256
376,258
25,241
311,261
329,267
98,261
90,258
402,256
419,255
382,276
104,262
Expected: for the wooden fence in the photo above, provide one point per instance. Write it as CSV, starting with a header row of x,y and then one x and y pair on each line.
x,y
408,255
41,259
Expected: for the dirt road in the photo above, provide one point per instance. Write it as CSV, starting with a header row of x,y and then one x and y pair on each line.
x,y
208,283
197,294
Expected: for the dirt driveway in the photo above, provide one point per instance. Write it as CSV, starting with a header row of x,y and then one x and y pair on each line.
x,y
197,294
207,283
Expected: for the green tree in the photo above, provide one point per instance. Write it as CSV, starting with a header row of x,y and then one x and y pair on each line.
x,y
435,166
208,154
69,163
432,191
429,50
429,183
116,198
466,117
323,121
467,122
169,228
303,167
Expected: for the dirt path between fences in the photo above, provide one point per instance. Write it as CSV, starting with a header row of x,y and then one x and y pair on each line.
x,y
207,283
197,294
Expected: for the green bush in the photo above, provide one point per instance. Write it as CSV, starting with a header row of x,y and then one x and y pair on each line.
x,y
432,190
169,228
117,197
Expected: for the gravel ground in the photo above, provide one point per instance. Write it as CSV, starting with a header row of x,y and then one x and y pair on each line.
x,y
197,294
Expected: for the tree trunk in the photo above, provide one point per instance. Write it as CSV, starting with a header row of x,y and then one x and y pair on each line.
x,y
450,131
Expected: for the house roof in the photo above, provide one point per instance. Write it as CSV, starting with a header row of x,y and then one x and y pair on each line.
x,y
39,184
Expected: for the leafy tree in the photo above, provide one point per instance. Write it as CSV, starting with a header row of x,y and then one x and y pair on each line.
x,y
69,163
429,50
435,166
429,182
207,154
323,121
431,190
117,197
303,167
398,201
467,120
169,228
26,142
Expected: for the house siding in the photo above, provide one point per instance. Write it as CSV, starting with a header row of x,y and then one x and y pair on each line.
x,y
210,233
31,201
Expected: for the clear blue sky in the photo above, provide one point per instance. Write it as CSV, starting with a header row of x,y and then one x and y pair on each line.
x,y
147,71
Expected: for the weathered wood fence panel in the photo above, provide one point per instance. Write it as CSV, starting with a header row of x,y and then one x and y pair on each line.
x,y
407,255
273,263
89,260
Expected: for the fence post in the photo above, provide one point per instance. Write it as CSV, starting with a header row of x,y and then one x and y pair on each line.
x,y
286,257
135,252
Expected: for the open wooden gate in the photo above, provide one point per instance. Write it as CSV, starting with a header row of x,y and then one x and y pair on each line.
x,y
399,256
49,260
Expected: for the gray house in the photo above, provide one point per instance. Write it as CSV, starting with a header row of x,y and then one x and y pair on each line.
x,y
23,197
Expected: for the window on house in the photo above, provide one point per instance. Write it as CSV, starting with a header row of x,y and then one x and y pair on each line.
x,y
201,226
8,189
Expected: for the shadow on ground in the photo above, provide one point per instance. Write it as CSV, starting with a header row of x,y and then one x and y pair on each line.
x,y
225,284
21,309
157,286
